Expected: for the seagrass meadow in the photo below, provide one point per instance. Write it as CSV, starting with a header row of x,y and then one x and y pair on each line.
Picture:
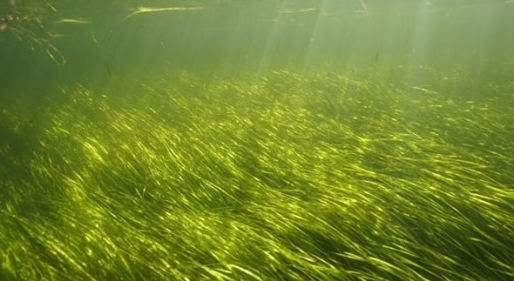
x,y
271,140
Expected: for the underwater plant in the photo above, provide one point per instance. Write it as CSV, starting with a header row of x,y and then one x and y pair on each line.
x,y
293,176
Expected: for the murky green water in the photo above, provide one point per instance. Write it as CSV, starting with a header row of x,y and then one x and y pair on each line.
x,y
256,140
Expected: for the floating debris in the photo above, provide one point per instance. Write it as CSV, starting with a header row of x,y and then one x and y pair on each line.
x,y
93,37
73,21
144,10
365,8
299,11
424,90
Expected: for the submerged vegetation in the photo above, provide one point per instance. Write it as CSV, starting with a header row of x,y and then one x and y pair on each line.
x,y
308,176
230,169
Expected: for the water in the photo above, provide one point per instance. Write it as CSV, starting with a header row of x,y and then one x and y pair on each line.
x,y
268,140
230,36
